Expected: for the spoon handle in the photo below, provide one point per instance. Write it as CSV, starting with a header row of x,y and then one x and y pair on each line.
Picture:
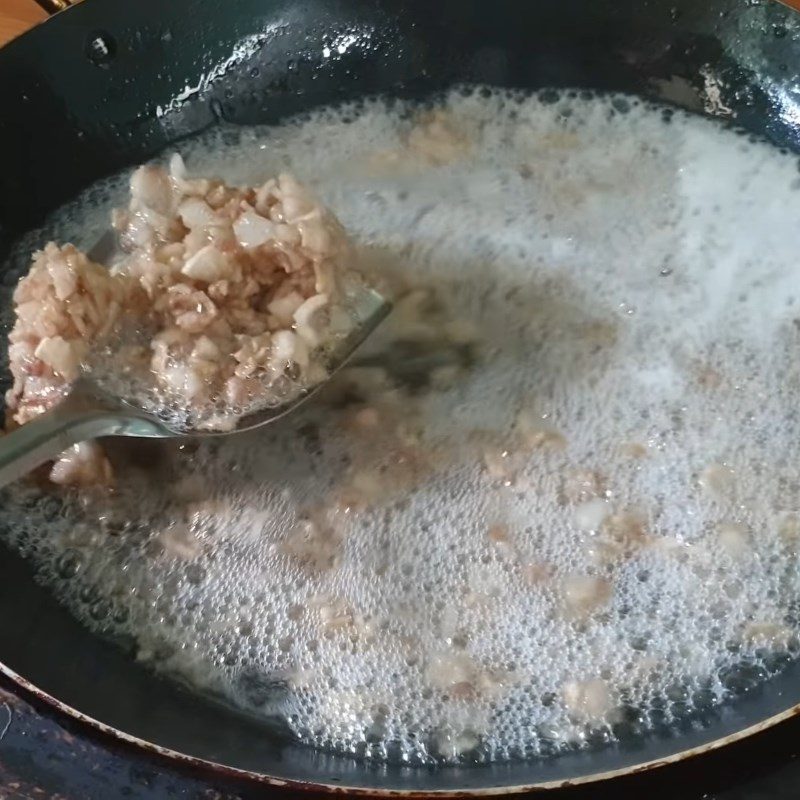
x,y
49,434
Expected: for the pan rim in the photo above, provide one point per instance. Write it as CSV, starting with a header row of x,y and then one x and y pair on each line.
x,y
219,769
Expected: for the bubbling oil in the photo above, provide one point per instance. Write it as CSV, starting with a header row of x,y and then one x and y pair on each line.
x,y
586,531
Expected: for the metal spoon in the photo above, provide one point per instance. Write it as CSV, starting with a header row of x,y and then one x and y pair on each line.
x,y
89,412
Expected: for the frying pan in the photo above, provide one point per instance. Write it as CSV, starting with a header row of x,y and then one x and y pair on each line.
x,y
109,84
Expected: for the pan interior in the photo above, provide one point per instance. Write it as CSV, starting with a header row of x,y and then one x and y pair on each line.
x,y
580,533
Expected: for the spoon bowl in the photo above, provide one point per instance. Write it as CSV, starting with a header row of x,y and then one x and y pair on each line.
x,y
90,412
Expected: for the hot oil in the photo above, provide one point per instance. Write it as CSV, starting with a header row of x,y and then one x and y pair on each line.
x,y
584,531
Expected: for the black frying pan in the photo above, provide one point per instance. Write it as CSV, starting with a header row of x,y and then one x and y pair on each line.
x,y
109,84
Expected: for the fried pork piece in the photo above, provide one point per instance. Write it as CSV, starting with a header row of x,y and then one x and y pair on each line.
x,y
239,286
64,302
241,279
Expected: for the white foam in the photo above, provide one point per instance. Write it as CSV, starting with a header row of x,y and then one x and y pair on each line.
x,y
635,285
